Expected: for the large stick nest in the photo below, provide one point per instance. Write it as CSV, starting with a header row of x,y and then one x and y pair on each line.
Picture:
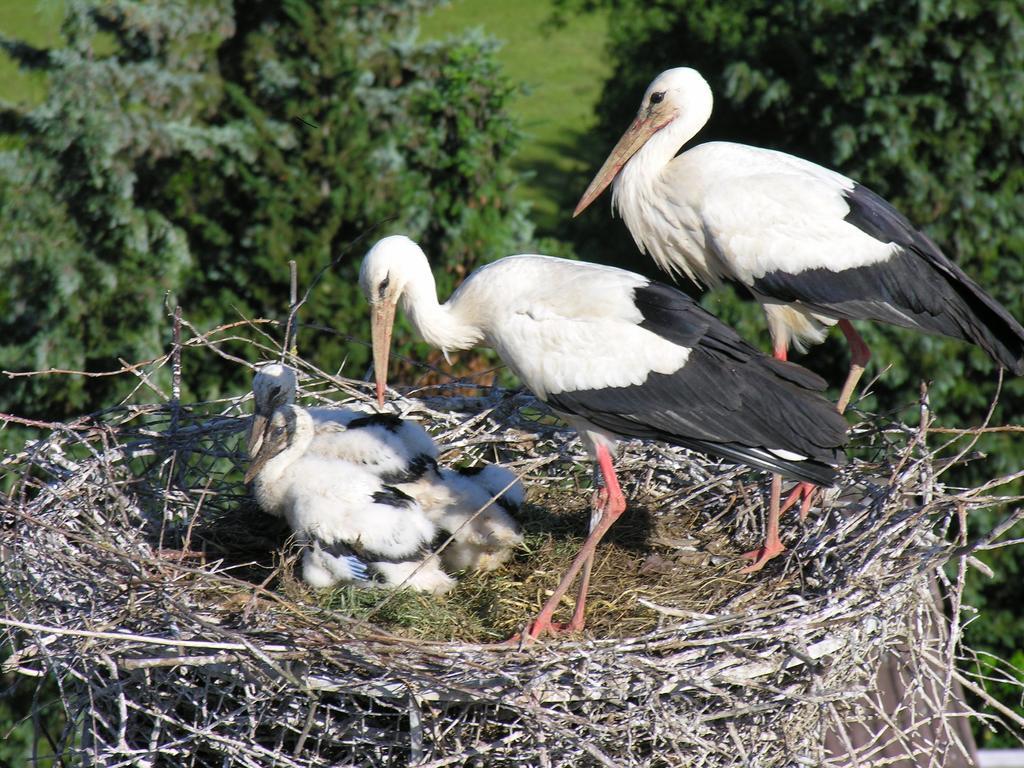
x,y
225,658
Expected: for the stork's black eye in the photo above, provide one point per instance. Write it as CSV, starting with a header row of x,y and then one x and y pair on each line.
x,y
383,287
656,98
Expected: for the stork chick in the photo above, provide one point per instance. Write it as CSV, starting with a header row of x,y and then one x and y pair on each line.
x,y
401,453
393,448
351,523
476,509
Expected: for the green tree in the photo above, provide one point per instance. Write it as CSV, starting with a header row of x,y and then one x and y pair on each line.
x,y
85,264
921,101
352,124
194,148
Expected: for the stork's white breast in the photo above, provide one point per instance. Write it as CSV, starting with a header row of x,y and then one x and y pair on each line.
x,y
564,326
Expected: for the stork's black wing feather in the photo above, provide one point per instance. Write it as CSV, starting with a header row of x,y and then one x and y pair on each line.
x,y
917,287
727,399
673,315
388,421
417,467
342,551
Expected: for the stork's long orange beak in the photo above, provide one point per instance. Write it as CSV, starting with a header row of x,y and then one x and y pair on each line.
x,y
382,321
635,136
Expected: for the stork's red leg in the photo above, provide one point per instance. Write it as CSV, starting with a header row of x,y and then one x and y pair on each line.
x,y
779,349
772,542
599,505
805,491
575,624
860,353
614,507
577,621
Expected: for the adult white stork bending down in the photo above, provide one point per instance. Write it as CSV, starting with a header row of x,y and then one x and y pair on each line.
x,y
812,246
351,523
476,508
615,355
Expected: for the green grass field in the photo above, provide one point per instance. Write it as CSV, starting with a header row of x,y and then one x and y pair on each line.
x,y
562,69
36,23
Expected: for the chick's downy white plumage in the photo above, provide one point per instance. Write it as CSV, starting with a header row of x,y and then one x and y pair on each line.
x,y
393,448
352,524
476,508
400,453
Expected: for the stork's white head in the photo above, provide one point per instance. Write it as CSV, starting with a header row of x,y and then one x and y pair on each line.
x,y
678,97
273,386
397,269
673,91
387,267
383,277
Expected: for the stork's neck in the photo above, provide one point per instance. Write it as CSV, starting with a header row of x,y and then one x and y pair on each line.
x,y
445,326
650,210
643,170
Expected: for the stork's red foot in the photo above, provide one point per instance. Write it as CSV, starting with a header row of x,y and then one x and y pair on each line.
x,y
806,494
762,555
772,543
543,625
539,627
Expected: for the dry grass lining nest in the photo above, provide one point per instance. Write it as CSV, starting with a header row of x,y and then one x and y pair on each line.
x,y
137,572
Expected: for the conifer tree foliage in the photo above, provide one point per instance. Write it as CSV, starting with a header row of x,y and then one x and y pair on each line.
x,y
355,124
85,265
196,147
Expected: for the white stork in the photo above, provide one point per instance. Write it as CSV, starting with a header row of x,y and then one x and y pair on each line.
x,y
393,448
499,482
351,523
615,355
476,508
813,247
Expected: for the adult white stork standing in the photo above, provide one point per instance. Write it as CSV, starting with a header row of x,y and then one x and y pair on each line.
x,y
352,525
476,508
813,247
615,355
